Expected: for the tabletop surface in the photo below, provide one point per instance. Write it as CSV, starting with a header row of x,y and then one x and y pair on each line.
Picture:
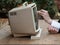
x,y
46,37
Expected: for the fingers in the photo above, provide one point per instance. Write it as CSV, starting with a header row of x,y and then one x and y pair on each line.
x,y
40,13
52,29
44,11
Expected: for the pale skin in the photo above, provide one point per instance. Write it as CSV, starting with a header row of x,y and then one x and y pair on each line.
x,y
52,29
47,18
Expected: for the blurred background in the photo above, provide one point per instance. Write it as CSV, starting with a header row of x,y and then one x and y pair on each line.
x,y
49,5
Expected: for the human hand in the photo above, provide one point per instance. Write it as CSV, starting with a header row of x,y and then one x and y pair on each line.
x,y
45,15
52,29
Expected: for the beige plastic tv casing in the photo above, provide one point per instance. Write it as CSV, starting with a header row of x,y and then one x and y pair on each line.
x,y
23,22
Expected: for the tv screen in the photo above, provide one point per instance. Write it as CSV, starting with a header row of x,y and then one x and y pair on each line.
x,y
35,17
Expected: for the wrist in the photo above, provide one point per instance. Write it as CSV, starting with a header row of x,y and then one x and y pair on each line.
x,y
50,21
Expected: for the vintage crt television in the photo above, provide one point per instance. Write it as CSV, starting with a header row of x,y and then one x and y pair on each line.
x,y
24,20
